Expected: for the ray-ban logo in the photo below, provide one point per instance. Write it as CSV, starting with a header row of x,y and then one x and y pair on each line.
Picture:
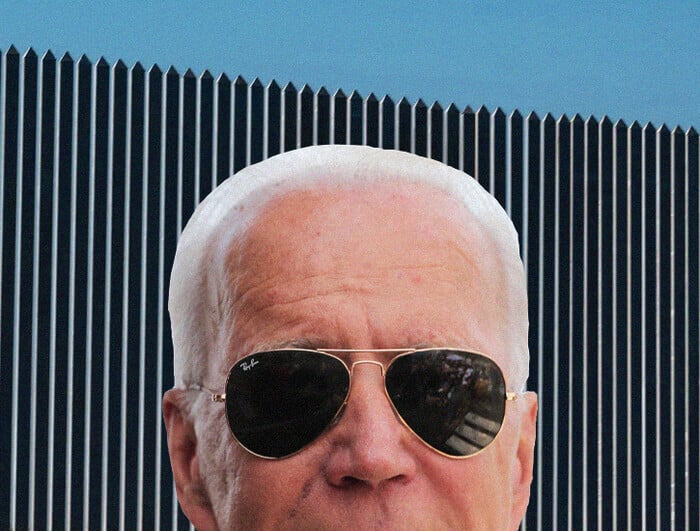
x,y
249,365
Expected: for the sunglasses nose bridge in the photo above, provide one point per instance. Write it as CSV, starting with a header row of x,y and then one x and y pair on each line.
x,y
369,362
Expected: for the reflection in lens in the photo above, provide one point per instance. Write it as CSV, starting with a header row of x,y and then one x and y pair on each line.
x,y
278,402
454,401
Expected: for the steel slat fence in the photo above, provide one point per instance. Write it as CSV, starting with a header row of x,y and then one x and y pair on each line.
x,y
101,166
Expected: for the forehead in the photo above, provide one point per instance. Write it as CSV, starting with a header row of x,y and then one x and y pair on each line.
x,y
349,230
341,212
392,255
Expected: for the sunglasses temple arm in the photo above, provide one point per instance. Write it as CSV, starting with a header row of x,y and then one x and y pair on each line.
x,y
215,397
509,396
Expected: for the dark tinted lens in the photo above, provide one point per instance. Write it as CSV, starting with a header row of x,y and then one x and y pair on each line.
x,y
454,401
278,402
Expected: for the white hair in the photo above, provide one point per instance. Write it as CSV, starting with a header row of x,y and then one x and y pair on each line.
x,y
200,311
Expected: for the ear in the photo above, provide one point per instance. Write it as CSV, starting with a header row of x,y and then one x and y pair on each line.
x,y
182,446
522,475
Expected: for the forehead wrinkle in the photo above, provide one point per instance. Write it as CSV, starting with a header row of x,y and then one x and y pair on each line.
x,y
272,292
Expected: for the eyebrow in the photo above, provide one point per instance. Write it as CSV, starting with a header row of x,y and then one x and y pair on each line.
x,y
304,343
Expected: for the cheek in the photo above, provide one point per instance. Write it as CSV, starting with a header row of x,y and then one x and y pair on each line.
x,y
219,464
477,487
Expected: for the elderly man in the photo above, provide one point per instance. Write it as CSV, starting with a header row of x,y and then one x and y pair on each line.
x,y
350,335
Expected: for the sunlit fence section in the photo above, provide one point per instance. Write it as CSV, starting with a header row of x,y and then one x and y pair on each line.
x,y
102,164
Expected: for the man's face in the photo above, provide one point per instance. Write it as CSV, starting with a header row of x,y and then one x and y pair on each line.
x,y
397,267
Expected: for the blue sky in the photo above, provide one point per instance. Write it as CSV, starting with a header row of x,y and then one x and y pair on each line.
x,y
627,60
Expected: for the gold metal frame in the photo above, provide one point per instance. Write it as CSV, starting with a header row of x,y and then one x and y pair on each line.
x,y
400,352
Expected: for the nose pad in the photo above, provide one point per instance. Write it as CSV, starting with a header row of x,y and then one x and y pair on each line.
x,y
340,413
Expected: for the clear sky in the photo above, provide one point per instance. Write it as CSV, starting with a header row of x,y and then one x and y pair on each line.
x,y
630,60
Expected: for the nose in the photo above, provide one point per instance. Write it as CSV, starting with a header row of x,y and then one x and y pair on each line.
x,y
370,446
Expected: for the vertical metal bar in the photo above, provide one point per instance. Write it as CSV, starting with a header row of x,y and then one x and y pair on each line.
x,y
435,132
171,78
23,481
256,119
273,110
322,117
354,117
679,346
51,393
387,123
370,121
113,96
532,268
104,471
419,123
187,83
71,303
547,247
206,141
339,118
497,156
607,319
636,324
44,148
197,176
239,97
87,438
153,73
562,329
187,135
692,368
133,309
692,318
60,340
221,134
575,473
125,302
3,126
17,156
37,110
665,354
5,490
404,125
171,159
515,164
186,116
620,302
649,281
591,320
305,126
469,145
452,136
288,128
482,135
102,318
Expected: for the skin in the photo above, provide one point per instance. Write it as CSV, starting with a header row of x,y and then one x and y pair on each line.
x,y
401,266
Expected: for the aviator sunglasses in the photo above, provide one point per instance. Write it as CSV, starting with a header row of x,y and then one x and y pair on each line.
x,y
280,401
